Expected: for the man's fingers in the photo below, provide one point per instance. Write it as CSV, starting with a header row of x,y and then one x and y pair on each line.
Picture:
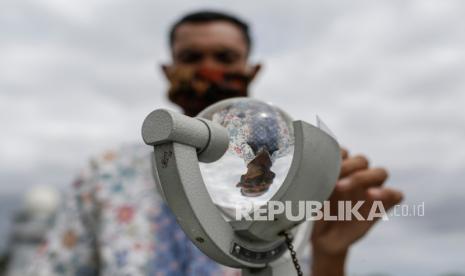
x,y
353,164
363,179
388,196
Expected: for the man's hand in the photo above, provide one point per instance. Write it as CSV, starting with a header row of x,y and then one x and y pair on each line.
x,y
332,239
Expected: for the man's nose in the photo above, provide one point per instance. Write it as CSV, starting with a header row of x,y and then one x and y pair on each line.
x,y
210,62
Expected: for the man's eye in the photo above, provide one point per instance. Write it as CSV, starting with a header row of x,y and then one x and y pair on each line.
x,y
190,57
226,57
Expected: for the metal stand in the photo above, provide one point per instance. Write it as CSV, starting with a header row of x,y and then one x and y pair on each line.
x,y
257,247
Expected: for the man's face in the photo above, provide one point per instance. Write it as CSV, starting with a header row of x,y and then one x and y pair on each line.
x,y
213,45
209,65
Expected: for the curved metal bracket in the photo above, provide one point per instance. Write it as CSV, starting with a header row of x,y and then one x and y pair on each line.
x,y
312,176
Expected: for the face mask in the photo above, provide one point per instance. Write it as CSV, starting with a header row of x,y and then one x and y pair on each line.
x,y
194,90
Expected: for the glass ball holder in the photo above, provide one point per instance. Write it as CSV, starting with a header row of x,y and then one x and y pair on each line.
x,y
282,160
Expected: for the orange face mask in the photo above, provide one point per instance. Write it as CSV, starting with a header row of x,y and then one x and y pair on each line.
x,y
194,90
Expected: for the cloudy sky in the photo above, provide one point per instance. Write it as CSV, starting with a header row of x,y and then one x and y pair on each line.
x,y
388,77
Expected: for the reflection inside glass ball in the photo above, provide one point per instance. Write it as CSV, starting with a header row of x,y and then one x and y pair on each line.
x,y
260,136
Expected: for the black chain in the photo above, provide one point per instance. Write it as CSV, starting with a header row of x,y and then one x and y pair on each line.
x,y
289,238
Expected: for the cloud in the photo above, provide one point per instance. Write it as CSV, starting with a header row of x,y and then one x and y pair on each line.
x,y
386,76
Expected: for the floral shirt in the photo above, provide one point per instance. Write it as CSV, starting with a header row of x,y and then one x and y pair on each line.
x,y
113,222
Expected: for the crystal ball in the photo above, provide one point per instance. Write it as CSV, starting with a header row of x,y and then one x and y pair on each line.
x,y
261,145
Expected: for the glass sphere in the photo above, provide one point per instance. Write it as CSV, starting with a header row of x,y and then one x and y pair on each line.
x,y
261,145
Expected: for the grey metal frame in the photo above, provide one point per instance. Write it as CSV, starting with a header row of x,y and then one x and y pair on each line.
x,y
181,142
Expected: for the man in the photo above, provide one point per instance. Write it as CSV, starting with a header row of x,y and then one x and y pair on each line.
x,y
115,223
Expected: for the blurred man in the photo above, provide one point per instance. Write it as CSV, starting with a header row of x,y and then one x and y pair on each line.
x,y
115,223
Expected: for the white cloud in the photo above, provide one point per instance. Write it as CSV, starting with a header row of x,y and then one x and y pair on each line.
x,y
386,76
